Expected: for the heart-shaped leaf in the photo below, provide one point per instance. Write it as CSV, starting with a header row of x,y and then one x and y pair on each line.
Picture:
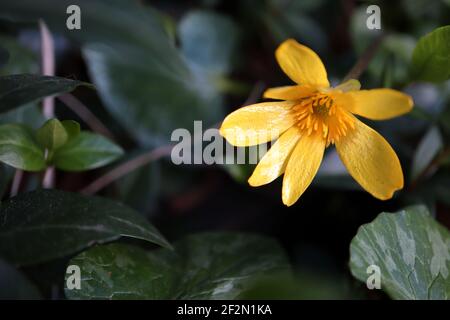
x,y
411,250
46,224
86,151
202,266
19,149
430,60
19,89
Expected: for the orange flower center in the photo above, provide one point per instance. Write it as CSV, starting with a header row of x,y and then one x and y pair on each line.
x,y
320,114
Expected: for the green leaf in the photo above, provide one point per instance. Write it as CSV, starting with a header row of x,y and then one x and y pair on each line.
x,y
19,149
52,134
86,151
426,151
431,57
203,266
218,36
412,251
19,89
136,90
14,285
72,128
47,224
21,60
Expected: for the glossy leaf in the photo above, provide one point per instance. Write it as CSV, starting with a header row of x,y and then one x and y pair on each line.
x,y
412,251
47,224
86,151
19,149
430,61
203,266
19,89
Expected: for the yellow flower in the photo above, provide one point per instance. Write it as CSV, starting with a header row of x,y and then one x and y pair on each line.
x,y
313,116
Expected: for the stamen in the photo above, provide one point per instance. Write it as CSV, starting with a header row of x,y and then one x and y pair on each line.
x,y
320,113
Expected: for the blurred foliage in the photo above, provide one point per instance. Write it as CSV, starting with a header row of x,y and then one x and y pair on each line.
x,y
159,65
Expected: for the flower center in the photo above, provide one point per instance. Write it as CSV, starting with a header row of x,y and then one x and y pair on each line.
x,y
320,114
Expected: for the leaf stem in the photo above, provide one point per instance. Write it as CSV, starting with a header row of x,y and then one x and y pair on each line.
x,y
126,168
363,62
85,114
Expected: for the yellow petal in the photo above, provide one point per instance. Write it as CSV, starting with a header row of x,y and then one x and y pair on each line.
x,y
302,167
273,164
257,123
301,64
378,104
349,85
289,92
371,161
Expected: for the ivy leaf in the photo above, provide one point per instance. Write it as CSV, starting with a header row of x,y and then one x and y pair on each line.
x,y
430,60
19,89
202,266
52,134
412,251
86,151
19,149
47,224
